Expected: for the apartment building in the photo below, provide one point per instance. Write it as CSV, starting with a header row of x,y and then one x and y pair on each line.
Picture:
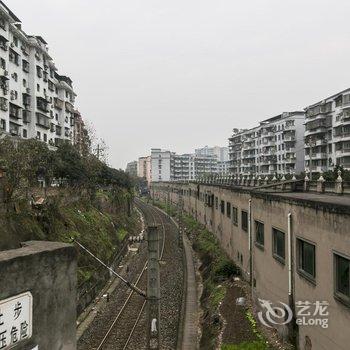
x,y
144,168
131,168
169,166
80,134
276,146
327,133
161,165
220,152
35,101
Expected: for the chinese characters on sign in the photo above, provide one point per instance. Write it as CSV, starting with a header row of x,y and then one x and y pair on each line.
x,y
15,319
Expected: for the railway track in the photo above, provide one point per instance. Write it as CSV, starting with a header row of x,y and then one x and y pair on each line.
x,y
122,325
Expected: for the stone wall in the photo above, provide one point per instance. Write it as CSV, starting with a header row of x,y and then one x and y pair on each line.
x,y
48,271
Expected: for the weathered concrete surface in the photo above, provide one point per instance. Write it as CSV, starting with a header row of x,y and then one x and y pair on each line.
x,y
320,219
48,271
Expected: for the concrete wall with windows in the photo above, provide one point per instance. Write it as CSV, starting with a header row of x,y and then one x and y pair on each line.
x,y
324,226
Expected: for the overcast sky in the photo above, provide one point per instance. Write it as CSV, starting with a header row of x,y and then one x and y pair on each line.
x,y
181,74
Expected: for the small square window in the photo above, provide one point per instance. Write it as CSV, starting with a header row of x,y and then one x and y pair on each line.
x,y
259,233
342,278
228,209
306,259
244,217
222,206
235,216
278,245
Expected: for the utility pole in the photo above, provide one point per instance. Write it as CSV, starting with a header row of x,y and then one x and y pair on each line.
x,y
180,208
153,290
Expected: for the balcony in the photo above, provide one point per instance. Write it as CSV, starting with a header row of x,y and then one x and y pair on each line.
x,y
15,111
26,115
69,107
317,155
289,127
14,129
342,152
42,104
58,103
288,138
42,120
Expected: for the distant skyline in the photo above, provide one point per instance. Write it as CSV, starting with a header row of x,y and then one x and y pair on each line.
x,y
182,74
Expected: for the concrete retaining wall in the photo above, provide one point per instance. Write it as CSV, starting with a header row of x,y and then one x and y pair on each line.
x,y
324,224
48,271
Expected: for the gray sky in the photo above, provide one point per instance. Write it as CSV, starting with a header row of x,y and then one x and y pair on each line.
x,y
181,74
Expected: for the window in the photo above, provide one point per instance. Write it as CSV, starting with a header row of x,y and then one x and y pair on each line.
x,y
25,135
259,233
3,63
37,87
15,41
15,76
234,215
306,259
38,135
228,209
45,137
25,66
278,245
342,278
216,203
222,206
24,83
2,23
244,217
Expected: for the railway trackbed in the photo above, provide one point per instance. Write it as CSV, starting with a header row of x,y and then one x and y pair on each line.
x,y
121,322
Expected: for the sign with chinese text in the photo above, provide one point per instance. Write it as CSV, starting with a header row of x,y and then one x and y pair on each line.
x,y
16,317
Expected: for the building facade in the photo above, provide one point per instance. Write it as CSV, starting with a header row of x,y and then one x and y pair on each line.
x,y
35,101
276,146
287,246
220,152
327,134
161,165
131,168
144,169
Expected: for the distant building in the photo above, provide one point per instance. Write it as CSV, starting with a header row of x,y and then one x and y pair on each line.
x,y
80,136
131,168
144,168
276,146
161,167
35,101
327,134
223,167
221,153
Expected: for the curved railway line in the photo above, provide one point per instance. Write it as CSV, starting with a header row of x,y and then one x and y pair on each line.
x,y
122,323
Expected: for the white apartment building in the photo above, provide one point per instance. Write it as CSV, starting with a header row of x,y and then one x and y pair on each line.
x,y
144,169
220,152
161,165
35,101
276,146
327,133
